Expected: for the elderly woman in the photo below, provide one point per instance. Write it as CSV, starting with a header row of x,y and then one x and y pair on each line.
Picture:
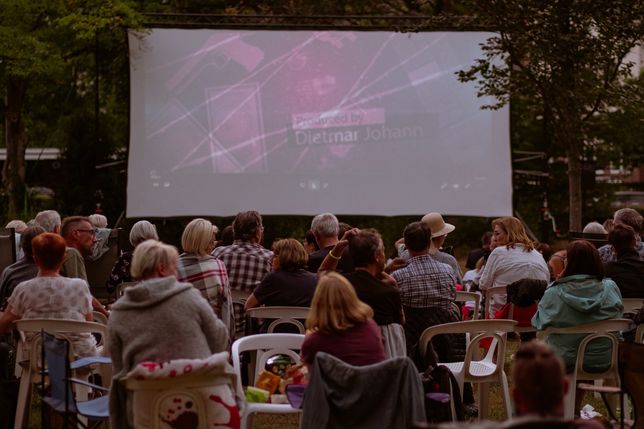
x,y
141,231
158,319
514,258
205,272
51,296
581,295
290,284
341,325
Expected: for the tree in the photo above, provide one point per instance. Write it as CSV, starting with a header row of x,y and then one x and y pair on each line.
x,y
40,43
567,58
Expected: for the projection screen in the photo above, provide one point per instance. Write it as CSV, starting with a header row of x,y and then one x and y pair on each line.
x,y
304,122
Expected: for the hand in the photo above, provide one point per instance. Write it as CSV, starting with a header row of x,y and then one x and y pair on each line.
x,y
349,234
386,278
394,265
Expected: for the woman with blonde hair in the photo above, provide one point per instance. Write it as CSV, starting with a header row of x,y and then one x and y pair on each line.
x,y
205,272
514,258
290,284
157,320
341,325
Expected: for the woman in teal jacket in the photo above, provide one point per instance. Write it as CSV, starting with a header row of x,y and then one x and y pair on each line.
x,y
581,295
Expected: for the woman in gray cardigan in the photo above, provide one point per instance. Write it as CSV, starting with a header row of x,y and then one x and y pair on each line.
x,y
157,320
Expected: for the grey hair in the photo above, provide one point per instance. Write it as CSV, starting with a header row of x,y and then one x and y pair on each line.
x,y
629,217
48,219
325,224
594,228
97,220
141,231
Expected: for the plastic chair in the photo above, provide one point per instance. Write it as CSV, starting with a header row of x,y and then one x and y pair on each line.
x,y
29,365
282,315
639,334
602,329
56,354
201,391
99,318
474,370
264,346
489,293
462,296
631,305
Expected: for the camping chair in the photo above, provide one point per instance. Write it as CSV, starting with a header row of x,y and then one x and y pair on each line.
x,y
99,270
602,329
263,347
55,352
283,316
7,247
474,370
27,367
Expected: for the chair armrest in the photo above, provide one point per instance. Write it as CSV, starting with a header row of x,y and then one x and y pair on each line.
x,y
90,361
88,384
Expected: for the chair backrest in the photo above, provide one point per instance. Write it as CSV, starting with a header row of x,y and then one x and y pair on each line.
x,y
489,293
462,296
631,305
478,330
282,315
7,247
265,346
99,318
56,353
639,334
601,329
98,271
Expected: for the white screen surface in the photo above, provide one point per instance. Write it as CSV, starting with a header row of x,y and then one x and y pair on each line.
x,y
303,122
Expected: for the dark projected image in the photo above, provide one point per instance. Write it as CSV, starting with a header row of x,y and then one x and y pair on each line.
x,y
303,122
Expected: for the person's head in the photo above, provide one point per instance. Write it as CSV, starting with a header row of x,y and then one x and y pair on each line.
x,y
18,225
629,217
289,255
342,228
509,231
594,228
154,259
539,381
486,239
622,238
582,258
325,225
335,306
311,245
49,220
417,235
198,237
366,248
545,250
48,251
79,233
247,226
226,236
141,231
97,220
608,224
438,227
27,236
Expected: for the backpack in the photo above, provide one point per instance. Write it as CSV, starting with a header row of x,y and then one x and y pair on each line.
x,y
439,385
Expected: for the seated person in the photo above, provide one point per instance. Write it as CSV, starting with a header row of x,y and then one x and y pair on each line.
x,y
50,295
628,269
341,325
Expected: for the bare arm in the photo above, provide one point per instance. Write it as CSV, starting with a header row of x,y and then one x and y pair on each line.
x,y
6,320
251,302
332,258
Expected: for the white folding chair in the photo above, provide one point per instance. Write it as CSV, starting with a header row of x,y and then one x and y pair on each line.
x,y
30,364
602,329
283,316
462,296
264,346
474,370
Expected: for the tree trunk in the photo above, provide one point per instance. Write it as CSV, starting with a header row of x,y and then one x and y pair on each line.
x,y
574,189
13,170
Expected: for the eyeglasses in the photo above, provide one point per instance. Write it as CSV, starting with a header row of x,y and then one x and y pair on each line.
x,y
89,231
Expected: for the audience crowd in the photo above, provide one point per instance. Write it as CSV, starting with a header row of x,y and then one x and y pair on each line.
x,y
364,308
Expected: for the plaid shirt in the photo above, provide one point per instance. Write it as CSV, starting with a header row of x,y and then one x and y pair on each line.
x,y
247,264
208,275
426,283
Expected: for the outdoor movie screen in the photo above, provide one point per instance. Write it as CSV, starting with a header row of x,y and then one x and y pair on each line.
x,y
304,122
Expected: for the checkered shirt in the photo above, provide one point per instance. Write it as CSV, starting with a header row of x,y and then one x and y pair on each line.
x,y
426,283
208,275
247,264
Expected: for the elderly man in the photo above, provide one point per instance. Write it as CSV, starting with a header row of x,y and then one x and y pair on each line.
x,y
246,261
373,286
325,229
633,219
49,220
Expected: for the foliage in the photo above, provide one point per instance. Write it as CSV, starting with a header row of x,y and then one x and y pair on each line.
x,y
567,58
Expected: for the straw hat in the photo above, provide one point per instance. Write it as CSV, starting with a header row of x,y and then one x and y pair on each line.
x,y
437,225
